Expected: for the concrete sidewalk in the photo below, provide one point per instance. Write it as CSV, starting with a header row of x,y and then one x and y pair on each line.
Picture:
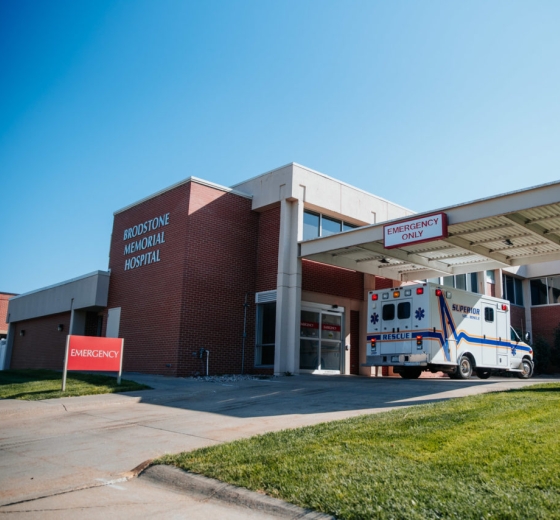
x,y
76,453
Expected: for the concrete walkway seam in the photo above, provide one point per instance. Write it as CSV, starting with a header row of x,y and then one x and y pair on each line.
x,y
209,488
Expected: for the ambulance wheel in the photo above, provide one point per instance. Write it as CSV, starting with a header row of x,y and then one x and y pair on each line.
x,y
527,367
464,370
483,373
411,373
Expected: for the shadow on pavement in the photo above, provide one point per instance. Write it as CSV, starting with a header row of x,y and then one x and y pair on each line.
x,y
307,394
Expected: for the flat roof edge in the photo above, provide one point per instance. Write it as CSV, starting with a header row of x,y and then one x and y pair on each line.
x,y
72,280
321,174
180,183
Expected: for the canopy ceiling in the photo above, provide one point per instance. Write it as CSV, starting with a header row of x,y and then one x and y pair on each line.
x,y
513,229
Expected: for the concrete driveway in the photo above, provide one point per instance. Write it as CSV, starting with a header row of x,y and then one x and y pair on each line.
x,y
61,456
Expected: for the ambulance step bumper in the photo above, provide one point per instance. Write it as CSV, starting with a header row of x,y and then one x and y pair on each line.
x,y
420,359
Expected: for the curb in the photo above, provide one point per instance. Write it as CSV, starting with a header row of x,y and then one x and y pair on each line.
x,y
206,488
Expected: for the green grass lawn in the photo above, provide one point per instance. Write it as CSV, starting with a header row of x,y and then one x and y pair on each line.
x,y
489,456
33,385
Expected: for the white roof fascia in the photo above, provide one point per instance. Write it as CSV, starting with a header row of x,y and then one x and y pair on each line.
x,y
65,282
326,177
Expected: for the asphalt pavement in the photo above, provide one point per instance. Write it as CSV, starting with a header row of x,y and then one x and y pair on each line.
x,y
81,455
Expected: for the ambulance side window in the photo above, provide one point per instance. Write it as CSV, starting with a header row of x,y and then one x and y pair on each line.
x,y
403,310
488,314
388,312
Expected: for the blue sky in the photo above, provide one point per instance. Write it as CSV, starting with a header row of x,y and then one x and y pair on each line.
x,y
102,103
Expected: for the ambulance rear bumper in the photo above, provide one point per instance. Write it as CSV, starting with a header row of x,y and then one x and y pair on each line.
x,y
389,360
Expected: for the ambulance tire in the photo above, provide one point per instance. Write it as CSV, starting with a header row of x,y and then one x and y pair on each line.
x,y
464,370
483,373
528,367
411,373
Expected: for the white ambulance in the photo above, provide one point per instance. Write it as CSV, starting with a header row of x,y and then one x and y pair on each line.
x,y
436,328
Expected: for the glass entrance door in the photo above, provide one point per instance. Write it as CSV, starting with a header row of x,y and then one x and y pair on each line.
x,y
320,341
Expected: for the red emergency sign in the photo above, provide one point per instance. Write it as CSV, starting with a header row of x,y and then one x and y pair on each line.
x,y
93,353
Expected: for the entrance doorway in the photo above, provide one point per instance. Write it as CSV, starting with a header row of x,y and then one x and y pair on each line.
x,y
320,345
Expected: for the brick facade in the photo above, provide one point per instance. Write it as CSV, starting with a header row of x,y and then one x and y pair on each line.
x,y
193,297
336,281
220,268
517,318
385,283
545,319
42,345
267,249
150,296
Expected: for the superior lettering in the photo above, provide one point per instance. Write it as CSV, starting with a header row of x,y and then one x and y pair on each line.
x,y
146,227
113,354
464,309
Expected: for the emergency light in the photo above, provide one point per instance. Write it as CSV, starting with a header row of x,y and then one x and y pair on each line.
x,y
420,290
504,307
375,297
373,342
419,340
438,292
396,294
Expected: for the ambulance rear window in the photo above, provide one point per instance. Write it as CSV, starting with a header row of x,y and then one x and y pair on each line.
x,y
388,312
403,310
488,314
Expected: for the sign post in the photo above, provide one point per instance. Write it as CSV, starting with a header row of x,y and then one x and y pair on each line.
x,y
94,355
65,364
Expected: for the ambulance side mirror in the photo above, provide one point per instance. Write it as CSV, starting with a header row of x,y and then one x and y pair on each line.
x,y
527,337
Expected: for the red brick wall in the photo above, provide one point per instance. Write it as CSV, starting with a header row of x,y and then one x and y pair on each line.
x,y
43,345
267,250
4,297
220,268
150,296
385,283
545,319
328,279
193,298
518,317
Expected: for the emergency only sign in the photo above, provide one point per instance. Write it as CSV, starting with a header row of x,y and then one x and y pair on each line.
x,y
94,354
415,231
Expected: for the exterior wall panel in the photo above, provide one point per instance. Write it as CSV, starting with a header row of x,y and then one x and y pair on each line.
x,y
42,345
150,296
220,268
517,318
267,249
335,281
545,319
